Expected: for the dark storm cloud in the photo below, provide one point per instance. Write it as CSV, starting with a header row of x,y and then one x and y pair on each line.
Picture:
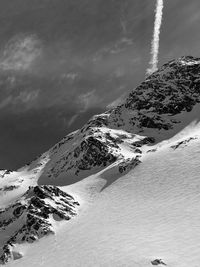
x,y
59,38
62,61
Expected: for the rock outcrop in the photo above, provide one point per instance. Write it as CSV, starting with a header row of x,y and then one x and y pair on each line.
x,y
31,217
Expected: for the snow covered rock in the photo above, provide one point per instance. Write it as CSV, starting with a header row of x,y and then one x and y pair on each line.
x,y
30,218
172,89
128,164
87,151
183,142
158,262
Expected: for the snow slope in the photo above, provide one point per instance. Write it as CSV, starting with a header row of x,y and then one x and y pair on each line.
x,y
151,212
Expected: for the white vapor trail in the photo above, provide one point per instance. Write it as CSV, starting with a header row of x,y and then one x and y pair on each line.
x,y
156,38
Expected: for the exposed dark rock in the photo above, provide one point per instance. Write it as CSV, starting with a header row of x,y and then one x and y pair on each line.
x,y
9,187
31,215
90,153
182,143
152,150
128,164
17,255
158,262
169,91
145,141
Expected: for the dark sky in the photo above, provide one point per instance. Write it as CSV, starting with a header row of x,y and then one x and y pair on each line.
x,y
61,61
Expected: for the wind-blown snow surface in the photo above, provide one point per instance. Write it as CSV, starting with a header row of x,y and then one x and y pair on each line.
x,y
151,212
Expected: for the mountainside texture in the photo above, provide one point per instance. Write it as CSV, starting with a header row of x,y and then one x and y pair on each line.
x,y
106,149
153,111
30,218
166,93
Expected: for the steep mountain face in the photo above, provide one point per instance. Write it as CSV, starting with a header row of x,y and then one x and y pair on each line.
x,y
117,140
168,92
155,110
88,151
152,112
31,217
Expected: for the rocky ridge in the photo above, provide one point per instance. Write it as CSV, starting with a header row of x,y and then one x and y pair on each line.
x,y
153,105
173,89
31,217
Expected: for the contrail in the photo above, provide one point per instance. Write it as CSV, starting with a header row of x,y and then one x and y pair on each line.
x,y
156,38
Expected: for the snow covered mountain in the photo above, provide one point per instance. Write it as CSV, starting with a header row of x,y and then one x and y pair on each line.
x,y
30,217
134,171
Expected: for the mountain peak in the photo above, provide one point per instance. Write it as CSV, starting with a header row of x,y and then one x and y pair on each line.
x,y
154,104
189,60
107,147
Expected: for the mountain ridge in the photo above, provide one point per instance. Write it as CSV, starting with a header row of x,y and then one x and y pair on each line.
x,y
153,112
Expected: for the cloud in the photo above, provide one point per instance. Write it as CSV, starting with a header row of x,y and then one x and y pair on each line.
x,y
84,102
27,97
72,120
20,52
88,100
24,100
117,101
4,103
70,75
